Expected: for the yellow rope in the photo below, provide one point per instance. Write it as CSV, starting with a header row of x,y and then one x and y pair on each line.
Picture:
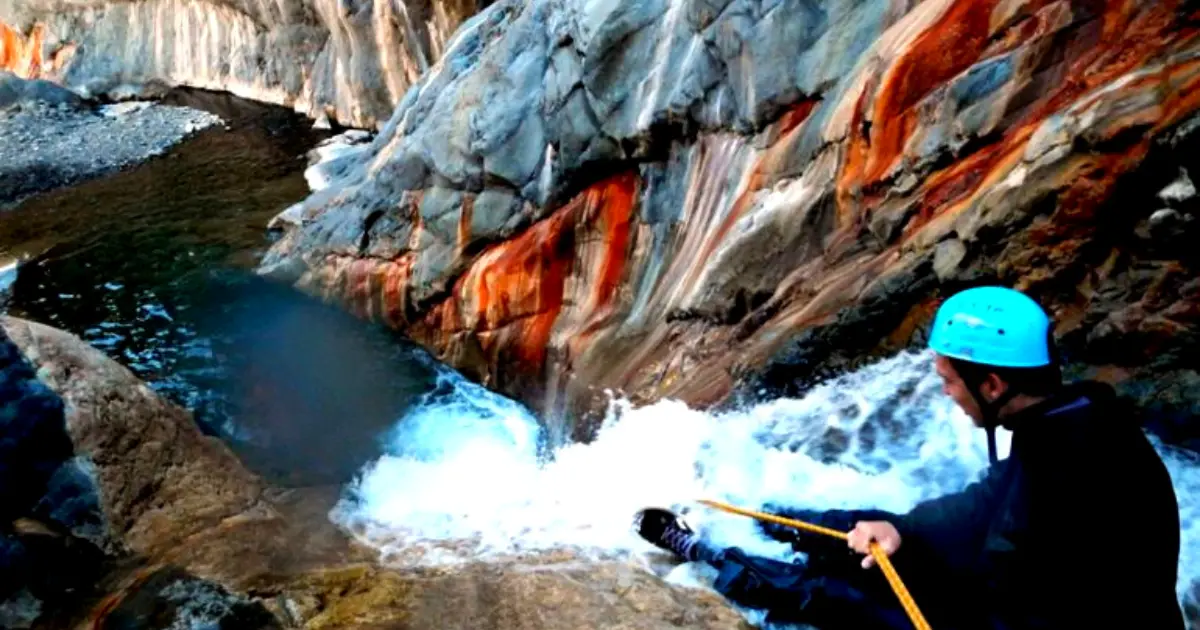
x,y
881,558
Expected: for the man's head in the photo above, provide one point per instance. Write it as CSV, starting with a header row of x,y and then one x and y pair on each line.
x,y
993,345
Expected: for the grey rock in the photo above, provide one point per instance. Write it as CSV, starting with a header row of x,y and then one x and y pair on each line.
x,y
492,210
575,126
18,92
441,212
947,258
562,76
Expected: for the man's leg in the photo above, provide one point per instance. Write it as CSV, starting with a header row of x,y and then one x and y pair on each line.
x,y
925,575
788,591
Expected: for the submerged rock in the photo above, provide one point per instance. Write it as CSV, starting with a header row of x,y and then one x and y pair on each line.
x,y
191,539
683,198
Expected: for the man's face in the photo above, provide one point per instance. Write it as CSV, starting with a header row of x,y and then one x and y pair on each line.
x,y
954,387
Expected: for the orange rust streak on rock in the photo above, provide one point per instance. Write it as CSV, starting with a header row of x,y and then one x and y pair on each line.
x,y
113,600
795,116
947,48
612,219
945,188
1124,45
518,286
857,149
1130,44
1184,98
20,55
615,213
358,286
788,128
393,296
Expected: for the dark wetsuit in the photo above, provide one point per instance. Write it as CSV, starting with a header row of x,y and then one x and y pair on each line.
x,y
1077,528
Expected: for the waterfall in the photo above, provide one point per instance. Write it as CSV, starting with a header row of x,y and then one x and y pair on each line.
x,y
468,476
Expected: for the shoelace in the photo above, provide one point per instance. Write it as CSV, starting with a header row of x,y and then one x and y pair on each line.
x,y
677,538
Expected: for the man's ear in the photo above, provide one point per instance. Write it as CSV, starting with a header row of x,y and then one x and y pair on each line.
x,y
993,387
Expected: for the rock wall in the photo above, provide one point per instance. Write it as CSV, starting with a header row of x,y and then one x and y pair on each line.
x,y
697,198
348,61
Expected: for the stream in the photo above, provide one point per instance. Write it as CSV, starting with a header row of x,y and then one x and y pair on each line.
x,y
154,266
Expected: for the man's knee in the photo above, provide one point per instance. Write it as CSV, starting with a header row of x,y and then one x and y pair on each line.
x,y
755,582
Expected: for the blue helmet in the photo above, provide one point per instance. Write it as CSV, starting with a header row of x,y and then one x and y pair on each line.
x,y
993,326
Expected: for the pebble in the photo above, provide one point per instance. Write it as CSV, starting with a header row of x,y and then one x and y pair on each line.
x,y
45,147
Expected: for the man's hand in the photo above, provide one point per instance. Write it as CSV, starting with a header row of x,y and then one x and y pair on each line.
x,y
866,532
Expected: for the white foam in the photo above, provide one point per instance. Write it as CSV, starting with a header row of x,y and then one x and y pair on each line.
x,y
117,110
8,275
351,142
464,479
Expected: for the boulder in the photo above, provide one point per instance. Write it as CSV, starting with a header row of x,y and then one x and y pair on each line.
x,y
160,480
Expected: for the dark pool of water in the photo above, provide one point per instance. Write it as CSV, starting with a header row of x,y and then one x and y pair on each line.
x,y
154,266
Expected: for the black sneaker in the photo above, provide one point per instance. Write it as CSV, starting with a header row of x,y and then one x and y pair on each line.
x,y
665,530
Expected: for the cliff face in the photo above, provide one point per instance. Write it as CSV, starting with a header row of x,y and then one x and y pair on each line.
x,y
350,61
675,197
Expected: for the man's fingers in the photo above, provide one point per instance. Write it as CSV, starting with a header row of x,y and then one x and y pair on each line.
x,y
865,536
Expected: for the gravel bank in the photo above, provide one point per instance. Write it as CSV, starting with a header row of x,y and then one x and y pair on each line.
x,y
48,146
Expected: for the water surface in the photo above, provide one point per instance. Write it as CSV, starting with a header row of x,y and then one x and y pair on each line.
x,y
154,266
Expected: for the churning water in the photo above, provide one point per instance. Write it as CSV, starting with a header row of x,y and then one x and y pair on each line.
x,y
467,474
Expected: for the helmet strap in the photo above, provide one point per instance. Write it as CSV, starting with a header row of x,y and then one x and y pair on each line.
x,y
991,414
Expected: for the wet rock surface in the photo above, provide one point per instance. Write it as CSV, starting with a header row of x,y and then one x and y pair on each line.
x,y
171,598
188,538
50,142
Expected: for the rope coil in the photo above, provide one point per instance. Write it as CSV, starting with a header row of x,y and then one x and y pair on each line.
x,y
881,558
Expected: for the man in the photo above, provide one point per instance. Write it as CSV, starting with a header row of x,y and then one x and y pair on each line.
x,y
1077,528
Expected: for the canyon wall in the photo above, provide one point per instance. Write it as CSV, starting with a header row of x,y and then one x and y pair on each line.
x,y
707,198
348,60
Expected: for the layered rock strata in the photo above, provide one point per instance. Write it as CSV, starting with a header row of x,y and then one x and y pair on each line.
x,y
346,61
675,197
